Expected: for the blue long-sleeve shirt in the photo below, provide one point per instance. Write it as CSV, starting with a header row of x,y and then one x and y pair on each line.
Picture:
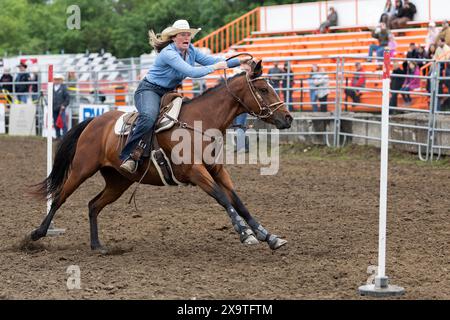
x,y
169,69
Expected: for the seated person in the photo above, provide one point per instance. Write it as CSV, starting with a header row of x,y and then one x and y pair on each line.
x,y
404,14
388,12
331,21
396,83
410,84
321,82
382,34
444,33
359,80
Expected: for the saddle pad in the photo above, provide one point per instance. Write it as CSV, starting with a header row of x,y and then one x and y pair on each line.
x,y
174,111
166,123
120,128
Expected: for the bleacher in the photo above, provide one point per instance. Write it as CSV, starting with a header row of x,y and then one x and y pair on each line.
x,y
322,49
305,49
282,33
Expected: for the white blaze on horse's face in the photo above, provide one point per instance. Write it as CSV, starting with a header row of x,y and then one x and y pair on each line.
x,y
182,40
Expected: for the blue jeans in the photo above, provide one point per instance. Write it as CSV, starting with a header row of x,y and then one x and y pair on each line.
x,y
313,95
240,120
147,99
22,97
64,128
406,97
378,49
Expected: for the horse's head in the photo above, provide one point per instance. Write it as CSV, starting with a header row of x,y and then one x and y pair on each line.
x,y
261,100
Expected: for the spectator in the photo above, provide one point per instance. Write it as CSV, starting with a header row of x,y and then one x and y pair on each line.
x,y
6,83
388,12
61,100
34,79
405,14
430,55
392,45
275,76
382,34
431,51
432,35
411,54
397,11
442,54
322,83
288,81
396,83
20,85
410,84
445,33
331,21
421,54
442,50
313,88
359,80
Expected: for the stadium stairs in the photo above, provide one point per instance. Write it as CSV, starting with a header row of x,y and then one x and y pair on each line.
x,y
323,49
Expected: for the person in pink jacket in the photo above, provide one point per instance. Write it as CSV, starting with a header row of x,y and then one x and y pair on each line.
x,y
410,83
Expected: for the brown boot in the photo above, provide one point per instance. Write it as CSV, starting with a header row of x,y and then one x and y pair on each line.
x,y
131,164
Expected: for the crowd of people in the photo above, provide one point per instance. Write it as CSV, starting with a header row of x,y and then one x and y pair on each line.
x,y
25,85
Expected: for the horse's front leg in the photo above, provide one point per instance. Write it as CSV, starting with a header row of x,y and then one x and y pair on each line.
x,y
223,179
201,177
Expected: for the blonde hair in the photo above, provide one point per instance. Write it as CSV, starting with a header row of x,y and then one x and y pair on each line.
x,y
156,41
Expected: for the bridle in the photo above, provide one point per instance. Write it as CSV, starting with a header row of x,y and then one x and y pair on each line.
x,y
265,110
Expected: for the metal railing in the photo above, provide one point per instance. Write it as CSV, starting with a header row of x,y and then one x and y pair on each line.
x,y
429,132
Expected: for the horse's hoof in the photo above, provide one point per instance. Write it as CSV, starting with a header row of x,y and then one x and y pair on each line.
x,y
276,243
35,235
251,239
248,237
101,250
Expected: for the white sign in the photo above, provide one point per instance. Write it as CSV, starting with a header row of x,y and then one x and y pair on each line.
x,y
2,119
92,110
126,108
22,120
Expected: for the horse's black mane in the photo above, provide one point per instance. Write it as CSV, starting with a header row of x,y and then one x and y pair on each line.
x,y
218,86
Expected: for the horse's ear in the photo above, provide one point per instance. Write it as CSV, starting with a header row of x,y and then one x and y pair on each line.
x,y
257,70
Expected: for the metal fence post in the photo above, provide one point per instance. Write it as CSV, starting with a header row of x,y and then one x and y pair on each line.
x,y
337,104
288,87
434,102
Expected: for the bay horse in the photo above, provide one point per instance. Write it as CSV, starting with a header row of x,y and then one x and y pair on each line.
x,y
93,146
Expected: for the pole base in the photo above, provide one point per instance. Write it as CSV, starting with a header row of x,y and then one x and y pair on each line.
x,y
374,291
53,232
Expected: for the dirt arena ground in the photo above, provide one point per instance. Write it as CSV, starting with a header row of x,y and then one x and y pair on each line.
x,y
181,244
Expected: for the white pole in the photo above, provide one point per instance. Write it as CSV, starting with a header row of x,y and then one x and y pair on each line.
x,y
49,127
52,231
384,166
381,286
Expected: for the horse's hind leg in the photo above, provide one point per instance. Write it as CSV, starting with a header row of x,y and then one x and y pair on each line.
x,y
78,174
116,184
223,179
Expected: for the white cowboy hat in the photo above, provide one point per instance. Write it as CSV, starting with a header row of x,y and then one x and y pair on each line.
x,y
58,76
178,27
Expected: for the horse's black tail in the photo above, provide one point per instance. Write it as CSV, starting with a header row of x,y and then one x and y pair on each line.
x,y
52,185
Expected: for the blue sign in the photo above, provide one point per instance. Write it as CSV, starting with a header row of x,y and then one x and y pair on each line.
x,y
91,111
